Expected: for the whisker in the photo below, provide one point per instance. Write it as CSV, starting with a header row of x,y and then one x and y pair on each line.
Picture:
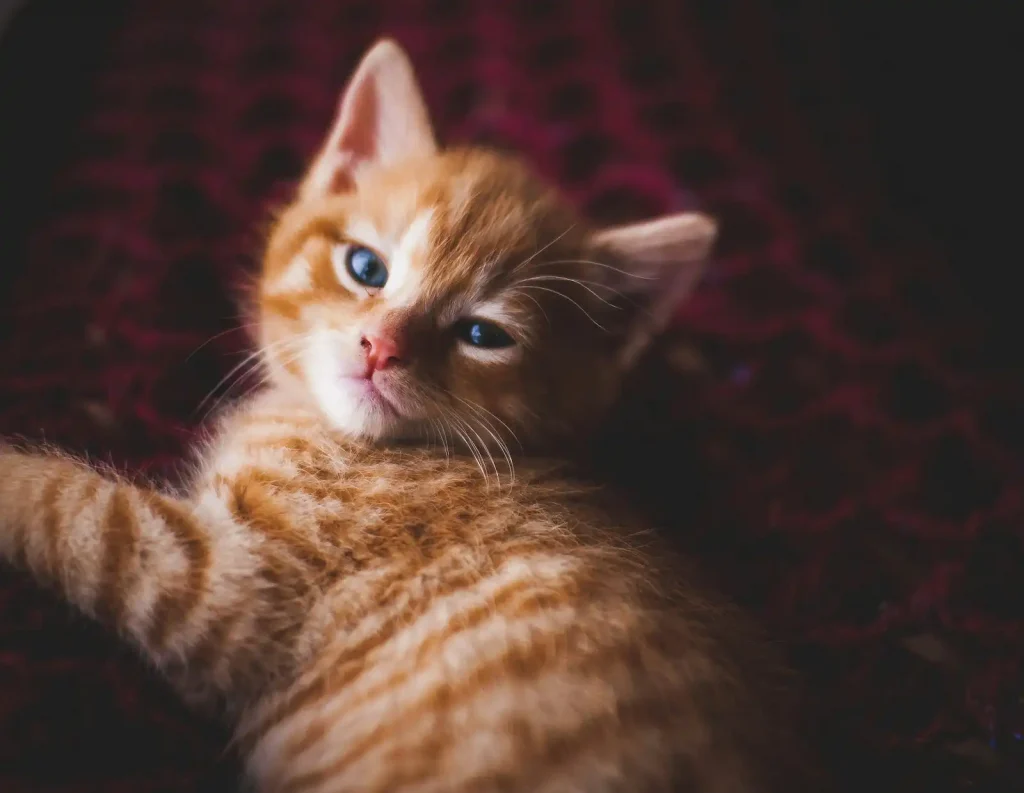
x,y
483,446
539,306
247,361
215,406
560,294
435,429
538,252
599,264
580,283
430,438
444,439
478,407
253,361
472,450
213,338
261,379
458,425
489,429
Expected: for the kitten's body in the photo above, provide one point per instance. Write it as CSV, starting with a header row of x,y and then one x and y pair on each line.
x,y
378,619
382,617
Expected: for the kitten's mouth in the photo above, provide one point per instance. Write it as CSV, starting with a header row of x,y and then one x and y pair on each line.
x,y
372,393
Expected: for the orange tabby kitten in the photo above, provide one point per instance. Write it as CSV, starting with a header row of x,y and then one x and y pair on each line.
x,y
371,612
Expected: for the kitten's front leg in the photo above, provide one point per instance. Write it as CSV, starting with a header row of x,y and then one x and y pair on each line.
x,y
151,566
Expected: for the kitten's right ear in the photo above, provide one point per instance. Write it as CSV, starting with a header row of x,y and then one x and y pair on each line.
x,y
382,118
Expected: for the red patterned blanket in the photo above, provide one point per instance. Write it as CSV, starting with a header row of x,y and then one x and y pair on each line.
x,y
860,452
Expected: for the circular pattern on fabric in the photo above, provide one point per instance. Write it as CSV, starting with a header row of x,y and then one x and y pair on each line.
x,y
857,441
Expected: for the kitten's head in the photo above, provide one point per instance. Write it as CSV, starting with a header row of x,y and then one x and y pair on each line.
x,y
411,291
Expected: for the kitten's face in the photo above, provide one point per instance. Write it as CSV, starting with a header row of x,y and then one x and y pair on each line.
x,y
439,296
418,293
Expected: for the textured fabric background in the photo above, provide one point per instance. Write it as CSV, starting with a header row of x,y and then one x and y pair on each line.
x,y
860,449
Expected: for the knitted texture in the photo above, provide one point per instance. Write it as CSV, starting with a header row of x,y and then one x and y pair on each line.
x,y
863,451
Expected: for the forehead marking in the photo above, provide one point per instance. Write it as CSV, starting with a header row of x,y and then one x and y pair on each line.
x,y
404,279
363,232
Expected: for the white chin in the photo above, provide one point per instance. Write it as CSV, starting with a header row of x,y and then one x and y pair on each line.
x,y
349,408
350,405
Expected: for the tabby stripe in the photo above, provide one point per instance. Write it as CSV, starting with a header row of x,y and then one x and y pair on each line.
x,y
554,750
405,767
254,506
290,595
284,306
293,420
443,694
600,735
530,605
15,537
208,649
84,498
53,525
527,661
343,667
120,533
174,607
278,436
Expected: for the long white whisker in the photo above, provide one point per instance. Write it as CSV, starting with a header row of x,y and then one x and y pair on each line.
x,y
438,429
216,336
481,408
538,252
431,440
539,306
560,294
472,449
260,380
458,424
580,283
444,438
247,361
599,264
487,427
253,361
483,446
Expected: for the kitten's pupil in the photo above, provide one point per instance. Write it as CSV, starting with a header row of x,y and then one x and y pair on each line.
x,y
483,334
366,267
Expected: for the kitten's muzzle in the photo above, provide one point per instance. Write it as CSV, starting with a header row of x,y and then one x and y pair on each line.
x,y
381,352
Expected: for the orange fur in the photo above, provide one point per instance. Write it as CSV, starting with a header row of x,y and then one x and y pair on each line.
x,y
375,615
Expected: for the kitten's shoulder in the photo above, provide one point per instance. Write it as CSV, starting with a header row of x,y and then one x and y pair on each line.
x,y
278,431
268,407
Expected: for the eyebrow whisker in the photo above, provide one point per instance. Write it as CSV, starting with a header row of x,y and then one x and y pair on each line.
x,y
538,252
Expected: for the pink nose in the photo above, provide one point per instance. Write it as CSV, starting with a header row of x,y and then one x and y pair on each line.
x,y
381,352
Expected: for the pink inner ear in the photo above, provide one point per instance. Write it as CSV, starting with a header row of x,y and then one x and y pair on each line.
x,y
670,254
359,126
357,135
342,182
382,118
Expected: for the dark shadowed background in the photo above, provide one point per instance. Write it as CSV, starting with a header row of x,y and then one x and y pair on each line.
x,y
838,431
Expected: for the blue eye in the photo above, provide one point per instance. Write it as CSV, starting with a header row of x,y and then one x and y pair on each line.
x,y
366,267
482,334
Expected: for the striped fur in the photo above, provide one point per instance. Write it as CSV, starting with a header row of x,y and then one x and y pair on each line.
x,y
377,615
376,620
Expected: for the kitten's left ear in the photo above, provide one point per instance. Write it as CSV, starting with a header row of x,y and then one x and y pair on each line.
x,y
662,260
382,118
